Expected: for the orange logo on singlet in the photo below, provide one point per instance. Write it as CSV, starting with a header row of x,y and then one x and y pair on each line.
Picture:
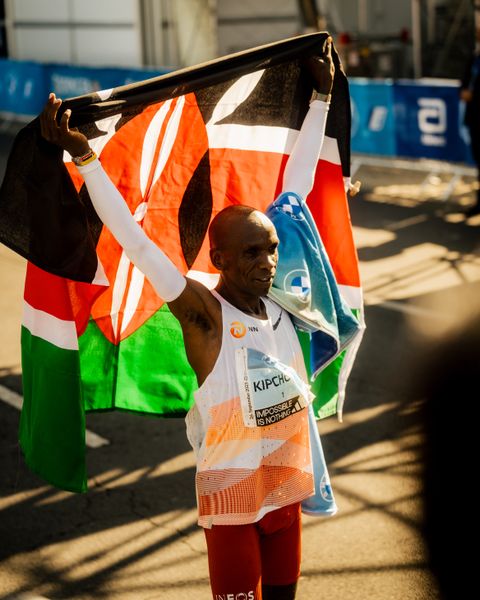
x,y
237,329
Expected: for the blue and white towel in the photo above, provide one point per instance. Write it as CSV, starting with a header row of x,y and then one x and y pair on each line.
x,y
305,285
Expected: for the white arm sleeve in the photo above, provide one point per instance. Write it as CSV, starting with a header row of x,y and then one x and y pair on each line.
x,y
302,162
110,206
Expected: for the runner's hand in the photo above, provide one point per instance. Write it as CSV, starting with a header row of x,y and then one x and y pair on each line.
x,y
322,69
71,140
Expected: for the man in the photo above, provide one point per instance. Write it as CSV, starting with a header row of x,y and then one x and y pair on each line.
x,y
470,94
250,479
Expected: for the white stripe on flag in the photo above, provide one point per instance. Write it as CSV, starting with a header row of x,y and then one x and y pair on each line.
x,y
120,283
258,138
353,296
330,151
118,291
150,144
93,440
58,332
133,297
100,276
261,138
105,94
168,139
252,137
137,280
234,96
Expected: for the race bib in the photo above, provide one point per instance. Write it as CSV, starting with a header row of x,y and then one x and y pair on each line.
x,y
269,390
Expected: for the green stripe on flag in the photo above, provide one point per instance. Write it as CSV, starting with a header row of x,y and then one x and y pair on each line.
x,y
328,384
52,423
147,372
325,388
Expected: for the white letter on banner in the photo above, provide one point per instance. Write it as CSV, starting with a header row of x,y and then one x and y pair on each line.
x,y
432,121
378,118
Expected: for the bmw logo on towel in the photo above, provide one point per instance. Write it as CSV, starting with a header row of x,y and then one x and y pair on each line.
x,y
297,282
291,205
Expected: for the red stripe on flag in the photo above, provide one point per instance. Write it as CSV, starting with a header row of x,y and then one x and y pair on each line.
x,y
47,292
245,177
62,298
329,207
82,297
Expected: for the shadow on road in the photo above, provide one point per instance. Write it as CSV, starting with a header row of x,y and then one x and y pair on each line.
x,y
146,474
411,219
127,484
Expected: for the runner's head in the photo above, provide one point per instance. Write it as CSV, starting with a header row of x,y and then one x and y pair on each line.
x,y
244,248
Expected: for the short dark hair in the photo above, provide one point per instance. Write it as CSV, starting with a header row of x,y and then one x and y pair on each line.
x,y
226,218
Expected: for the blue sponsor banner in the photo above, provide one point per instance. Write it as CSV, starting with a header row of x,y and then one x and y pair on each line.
x,y
373,121
427,118
67,81
24,86
412,119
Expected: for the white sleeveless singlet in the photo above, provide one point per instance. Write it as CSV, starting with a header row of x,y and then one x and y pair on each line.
x,y
245,472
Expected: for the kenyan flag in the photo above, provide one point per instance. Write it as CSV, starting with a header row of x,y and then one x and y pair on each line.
x,y
180,148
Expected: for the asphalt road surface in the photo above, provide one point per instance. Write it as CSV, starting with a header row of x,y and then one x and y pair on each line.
x,y
134,534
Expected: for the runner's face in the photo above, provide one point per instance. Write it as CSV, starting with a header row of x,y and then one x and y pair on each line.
x,y
251,255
